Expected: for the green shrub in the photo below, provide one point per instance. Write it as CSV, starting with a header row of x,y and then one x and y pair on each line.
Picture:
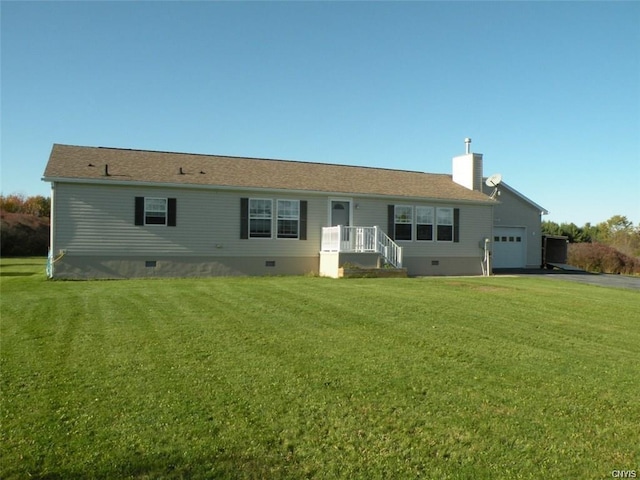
x,y
600,258
23,235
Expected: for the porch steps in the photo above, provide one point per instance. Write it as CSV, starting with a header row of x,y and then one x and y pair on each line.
x,y
361,240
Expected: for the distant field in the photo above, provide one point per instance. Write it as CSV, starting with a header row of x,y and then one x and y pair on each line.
x,y
300,377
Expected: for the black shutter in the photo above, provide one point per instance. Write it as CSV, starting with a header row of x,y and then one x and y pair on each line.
x,y
391,217
303,220
139,211
171,212
456,225
244,218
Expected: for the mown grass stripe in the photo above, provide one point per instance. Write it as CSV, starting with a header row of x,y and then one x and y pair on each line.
x,y
316,378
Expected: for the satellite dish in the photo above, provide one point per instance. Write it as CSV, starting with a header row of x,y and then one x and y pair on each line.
x,y
494,180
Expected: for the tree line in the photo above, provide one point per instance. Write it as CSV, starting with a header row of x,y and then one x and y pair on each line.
x,y
612,246
38,205
24,225
617,232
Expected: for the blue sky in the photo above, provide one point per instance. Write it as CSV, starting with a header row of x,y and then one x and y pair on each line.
x,y
548,91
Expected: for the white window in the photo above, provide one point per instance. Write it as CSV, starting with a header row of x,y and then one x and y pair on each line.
x,y
288,218
260,217
424,223
155,211
403,219
444,218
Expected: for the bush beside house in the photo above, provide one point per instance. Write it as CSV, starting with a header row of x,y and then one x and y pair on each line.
x,y
23,235
24,230
600,258
608,247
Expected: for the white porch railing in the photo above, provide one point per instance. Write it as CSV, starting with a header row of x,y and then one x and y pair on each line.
x,y
361,240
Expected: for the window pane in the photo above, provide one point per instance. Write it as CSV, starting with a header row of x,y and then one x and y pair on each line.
x,y
403,231
403,214
403,219
444,230
260,228
445,216
260,217
424,223
259,208
155,211
424,215
287,228
425,232
445,233
152,219
155,204
288,216
288,208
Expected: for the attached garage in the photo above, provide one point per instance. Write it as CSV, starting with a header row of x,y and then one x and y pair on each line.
x,y
509,247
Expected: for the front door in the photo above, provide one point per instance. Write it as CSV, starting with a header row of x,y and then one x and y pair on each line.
x,y
340,212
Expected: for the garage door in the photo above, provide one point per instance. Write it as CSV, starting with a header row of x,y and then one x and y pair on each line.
x,y
508,247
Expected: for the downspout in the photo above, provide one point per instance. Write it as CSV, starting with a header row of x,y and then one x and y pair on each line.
x,y
50,257
491,239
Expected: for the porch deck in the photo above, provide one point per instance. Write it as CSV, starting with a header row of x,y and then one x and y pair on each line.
x,y
347,239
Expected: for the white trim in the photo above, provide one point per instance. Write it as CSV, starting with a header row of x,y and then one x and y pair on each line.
x,y
270,219
433,222
340,199
297,219
166,212
452,225
410,222
52,225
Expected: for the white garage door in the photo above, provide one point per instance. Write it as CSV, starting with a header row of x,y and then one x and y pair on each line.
x,y
508,247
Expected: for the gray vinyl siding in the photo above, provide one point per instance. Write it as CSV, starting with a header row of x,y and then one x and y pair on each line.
x,y
513,211
475,224
96,219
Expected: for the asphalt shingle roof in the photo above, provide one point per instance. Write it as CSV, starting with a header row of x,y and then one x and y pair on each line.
x,y
77,163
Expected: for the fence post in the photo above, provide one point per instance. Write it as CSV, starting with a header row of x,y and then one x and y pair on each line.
x,y
375,239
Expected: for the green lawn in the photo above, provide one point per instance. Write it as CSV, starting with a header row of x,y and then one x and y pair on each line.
x,y
301,377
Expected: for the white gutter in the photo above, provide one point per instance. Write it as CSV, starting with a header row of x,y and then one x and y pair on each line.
x,y
51,254
189,186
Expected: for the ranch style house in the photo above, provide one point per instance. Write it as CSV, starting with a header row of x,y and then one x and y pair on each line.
x,y
120,213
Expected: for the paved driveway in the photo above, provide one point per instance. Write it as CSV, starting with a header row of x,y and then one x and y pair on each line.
x,y
600,279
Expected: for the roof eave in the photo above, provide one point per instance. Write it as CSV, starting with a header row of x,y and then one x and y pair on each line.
x,y
138,183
